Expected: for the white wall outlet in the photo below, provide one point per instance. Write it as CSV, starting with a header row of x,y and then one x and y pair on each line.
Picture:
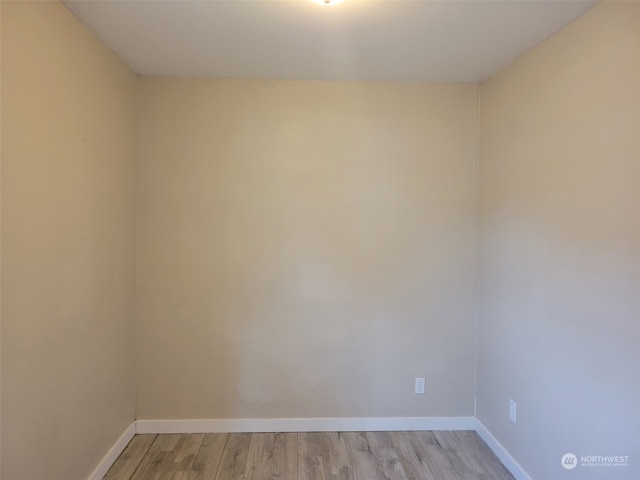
x,y
512,410
420,384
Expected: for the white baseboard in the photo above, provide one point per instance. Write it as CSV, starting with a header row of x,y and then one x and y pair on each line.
x,y
113,453
363,424
514,467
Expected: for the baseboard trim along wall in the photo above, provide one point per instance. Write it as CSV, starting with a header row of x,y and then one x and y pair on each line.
x,y
113,453
363,424
514,467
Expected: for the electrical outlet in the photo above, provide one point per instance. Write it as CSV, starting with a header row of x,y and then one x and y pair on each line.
x,y
420,384
512,410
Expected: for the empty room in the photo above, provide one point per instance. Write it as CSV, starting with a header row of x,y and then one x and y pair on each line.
x,y
320,240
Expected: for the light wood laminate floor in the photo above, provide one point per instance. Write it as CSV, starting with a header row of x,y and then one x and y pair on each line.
x,y
460,455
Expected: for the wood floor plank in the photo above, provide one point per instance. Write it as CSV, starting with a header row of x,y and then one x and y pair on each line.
x,y
157,459
379,440
429,437
434,458
182,457
360,456
309,444
310,461
234,457
414,466
187,448
480,452
311,468
335,457
356,441
167,442
463,455
207,460
388,464
128,461
285,456
461,463
364,467
260,457
443,438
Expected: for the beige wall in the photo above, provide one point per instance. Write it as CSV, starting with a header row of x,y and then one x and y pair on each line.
x,y
305,249
68,244
558,317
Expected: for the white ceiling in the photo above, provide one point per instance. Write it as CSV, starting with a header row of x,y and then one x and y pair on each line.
x,y
392,40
